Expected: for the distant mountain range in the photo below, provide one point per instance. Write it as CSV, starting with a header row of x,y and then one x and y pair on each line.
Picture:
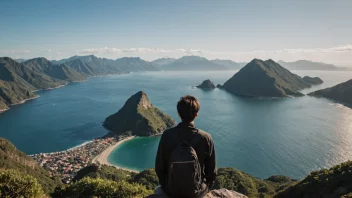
x,y
310,65
267,79
190,63
20,78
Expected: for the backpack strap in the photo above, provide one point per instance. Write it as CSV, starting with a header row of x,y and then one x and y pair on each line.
x,y
196,139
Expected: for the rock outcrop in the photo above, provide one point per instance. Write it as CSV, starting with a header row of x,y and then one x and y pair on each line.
x,y
265,79
224,193
212,194
138,117
341,92
207,84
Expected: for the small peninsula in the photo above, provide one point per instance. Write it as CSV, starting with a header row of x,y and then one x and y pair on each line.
x,y
207,84
313,80
138,117
265,79
341,92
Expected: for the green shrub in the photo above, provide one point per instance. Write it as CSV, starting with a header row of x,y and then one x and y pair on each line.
x,y
103,172
88,187
147,178
17,184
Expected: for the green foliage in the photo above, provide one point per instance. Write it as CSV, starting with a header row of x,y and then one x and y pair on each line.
x,y
333,182
157,120
102,188
233,179
11,158
236,180
17,184
103,172
147,178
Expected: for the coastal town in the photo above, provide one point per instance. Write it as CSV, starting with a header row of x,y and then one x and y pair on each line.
x,y
65,164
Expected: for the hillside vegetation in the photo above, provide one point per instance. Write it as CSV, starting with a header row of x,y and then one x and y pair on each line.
x,y
17,170
12,158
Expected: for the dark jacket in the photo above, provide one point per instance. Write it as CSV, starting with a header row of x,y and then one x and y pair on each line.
x,y
171,138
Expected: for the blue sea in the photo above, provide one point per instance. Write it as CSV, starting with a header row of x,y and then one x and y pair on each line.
x,y
263,137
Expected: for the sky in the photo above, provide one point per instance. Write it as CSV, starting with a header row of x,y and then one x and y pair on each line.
x,y
317,30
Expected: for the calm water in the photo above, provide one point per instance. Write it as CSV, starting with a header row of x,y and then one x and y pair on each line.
x,y
260,136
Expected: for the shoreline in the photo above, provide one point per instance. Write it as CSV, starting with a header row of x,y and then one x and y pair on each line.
x,y
57,87
102,157
18,103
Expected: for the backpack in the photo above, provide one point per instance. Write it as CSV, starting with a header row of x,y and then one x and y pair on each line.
x,y
184,172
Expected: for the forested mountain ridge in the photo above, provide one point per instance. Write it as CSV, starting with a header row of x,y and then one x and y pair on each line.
x,y
18,81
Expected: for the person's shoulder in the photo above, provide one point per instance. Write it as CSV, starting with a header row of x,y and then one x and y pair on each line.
x,y
168,132
205,135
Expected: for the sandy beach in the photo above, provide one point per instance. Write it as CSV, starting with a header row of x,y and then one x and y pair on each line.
x,y
102,158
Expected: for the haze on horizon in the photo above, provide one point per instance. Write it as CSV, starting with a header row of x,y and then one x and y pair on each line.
x,y
237,30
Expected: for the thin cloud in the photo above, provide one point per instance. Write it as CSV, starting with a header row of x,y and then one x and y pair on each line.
x,y
15,51
337,49
138,50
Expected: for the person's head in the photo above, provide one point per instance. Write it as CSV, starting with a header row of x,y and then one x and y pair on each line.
x,y
187,108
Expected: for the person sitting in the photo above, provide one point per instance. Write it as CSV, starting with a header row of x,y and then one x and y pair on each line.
x,y
185,161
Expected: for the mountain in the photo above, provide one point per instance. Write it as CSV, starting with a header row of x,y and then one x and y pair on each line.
x,y
90,66
228,63
163,61
94,66
60,72
193,63
309,65
341,92
13,88
265,79
18,81
207,84
138,117
130,64
11,158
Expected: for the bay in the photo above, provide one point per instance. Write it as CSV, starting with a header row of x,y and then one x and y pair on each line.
x,y
263,137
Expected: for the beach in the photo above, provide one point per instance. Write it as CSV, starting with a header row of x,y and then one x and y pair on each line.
x,y
102,158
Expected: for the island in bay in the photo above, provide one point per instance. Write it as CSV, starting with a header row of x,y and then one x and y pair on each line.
x,y
207,84
267,79
138,117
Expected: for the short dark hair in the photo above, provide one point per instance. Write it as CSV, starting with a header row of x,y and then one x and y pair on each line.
x,y
188,107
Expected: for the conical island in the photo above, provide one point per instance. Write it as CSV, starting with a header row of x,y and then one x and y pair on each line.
x,y
266,79
138,117
207,84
